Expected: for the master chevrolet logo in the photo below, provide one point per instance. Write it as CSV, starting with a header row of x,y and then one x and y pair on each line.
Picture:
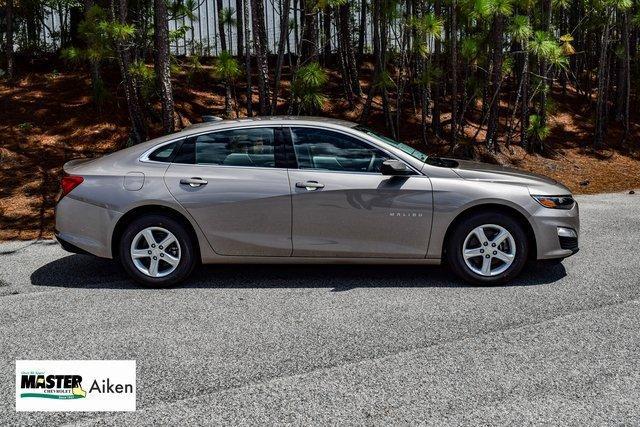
x,y
52,386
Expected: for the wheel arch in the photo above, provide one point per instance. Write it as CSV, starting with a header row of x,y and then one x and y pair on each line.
x,y
494,208
139,211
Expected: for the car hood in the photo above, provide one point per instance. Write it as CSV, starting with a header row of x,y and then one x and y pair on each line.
x,y
538,184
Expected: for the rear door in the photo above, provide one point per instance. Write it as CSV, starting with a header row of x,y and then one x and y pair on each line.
x,y
232,184
344,207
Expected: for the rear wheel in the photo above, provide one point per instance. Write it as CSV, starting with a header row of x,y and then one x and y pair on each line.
x,y
157,251
488,249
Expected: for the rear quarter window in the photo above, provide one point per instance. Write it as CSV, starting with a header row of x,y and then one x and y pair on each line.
x,y
164,153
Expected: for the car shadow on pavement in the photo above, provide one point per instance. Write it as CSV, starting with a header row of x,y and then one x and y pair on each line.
x,y
82,271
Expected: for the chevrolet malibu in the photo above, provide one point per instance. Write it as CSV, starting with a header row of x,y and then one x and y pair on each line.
x,y
307,190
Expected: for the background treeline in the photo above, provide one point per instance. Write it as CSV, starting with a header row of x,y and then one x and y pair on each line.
x,y
470,71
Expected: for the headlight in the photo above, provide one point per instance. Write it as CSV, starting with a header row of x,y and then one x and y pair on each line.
x,y
555,202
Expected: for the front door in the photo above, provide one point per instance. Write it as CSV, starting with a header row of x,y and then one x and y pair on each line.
x,y
229,182
344,207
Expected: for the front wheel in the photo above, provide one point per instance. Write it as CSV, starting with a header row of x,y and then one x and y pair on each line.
x,y
157,251
488,249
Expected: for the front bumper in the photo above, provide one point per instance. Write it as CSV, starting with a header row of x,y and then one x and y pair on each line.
x,y
568,239
557,232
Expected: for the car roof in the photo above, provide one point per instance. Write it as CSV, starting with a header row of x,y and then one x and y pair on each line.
x,y
275,120
222,124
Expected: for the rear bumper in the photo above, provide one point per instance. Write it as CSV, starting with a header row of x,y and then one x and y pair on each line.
x,y
68,246
85,227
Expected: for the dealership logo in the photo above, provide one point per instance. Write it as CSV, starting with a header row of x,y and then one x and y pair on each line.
x,y
80,385
52,386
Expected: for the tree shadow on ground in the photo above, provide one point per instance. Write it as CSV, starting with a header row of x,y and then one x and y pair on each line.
x,y
82,271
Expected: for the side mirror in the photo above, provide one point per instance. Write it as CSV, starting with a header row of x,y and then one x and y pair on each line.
x,y
395,168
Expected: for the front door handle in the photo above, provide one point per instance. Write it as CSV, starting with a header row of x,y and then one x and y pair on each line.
x,y
310,185
193,182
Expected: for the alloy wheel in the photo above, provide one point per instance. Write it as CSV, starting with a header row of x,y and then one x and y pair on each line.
x,y
155,252
489,250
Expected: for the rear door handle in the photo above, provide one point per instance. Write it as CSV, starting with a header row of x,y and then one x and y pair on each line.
x,y
193,182
309,185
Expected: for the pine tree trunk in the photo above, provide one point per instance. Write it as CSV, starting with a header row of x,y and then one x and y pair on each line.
x,y
260,45
138,127
420,69
33,27
375,19
362,32
563,74
309,42
296,26
435,118
284,33
496,72
465,101
524,118
239,28
345,47
94,66
352,63
626,94
454,72
75,16
221,33
510,125
402,70
247,57
382,60
326,28
192,30
163,73
602,85
542,112
227,98
9,40
342,61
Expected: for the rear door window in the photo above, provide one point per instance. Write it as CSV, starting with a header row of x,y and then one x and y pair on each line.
x,y
236,147
249,147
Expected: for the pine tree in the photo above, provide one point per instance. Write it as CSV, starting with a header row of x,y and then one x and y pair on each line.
x,y
260,47
9,40
163,73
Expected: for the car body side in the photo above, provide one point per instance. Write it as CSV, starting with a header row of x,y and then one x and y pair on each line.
x,y
91,216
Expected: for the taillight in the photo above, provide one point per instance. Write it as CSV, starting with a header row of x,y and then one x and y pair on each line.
x,y
68,183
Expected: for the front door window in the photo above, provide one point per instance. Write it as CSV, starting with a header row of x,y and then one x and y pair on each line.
x,y
322,149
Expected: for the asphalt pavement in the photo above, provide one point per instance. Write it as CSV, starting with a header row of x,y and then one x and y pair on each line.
x,y
372,345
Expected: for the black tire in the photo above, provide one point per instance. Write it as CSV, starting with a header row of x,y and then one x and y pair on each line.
x,y
454,248
187,251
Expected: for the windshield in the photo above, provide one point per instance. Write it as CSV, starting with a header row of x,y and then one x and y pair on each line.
x,y
404,147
